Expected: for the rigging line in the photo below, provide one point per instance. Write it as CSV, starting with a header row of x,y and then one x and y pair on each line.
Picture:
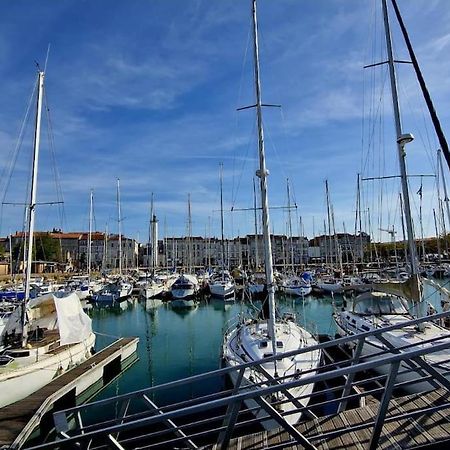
x,y
375,114
418,132
238,102
245,158
425,92
14,152
46,58
371,84
51,142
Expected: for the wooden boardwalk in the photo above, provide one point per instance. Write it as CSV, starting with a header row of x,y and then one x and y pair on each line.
x,y
16,417
430,429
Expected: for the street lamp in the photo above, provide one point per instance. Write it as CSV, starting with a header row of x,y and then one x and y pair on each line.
x,y
404,139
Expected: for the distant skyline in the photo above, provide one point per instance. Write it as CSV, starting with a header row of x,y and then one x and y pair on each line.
x,y
147,92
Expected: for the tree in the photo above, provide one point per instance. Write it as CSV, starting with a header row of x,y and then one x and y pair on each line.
x,y
46,248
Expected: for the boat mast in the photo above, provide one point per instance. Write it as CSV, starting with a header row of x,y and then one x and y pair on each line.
x,y
291,246
262,174
327,194
437,125
150,242
446,200
189,259
32,204
11,265
91,202
402,139
256,226
221,220
154,237
119,221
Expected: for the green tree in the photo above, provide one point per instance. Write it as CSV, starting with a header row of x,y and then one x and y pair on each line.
x,y
46,248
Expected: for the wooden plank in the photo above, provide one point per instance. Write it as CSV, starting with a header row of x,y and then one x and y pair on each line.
x,y
359,438
333,423
399,434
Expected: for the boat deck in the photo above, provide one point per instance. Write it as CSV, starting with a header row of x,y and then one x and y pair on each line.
x,y
352,429
16,417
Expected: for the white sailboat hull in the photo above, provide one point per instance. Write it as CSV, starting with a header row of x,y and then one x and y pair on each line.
x,y
152,291
240,347
399,338
335,288
18,382
299,291
222,289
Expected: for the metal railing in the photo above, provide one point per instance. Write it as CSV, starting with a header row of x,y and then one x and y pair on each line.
x,y
135,420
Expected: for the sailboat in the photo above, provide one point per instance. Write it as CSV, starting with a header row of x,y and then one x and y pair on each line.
x,y
185,288
390,303
119,289
293,284
48,334
222,284
254,339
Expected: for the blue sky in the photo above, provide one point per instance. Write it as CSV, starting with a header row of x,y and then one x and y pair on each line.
x,y
147,91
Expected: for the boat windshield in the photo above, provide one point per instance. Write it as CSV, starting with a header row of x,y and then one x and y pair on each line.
x,y
380,304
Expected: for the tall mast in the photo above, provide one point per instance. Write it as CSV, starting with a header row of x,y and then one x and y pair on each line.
x,y
119,221
189,249
437,235
426,95
11,265
89,249
150,242
256,226
32,204
262,174
446,200
291,246
221,219
329,222
402,139
154,237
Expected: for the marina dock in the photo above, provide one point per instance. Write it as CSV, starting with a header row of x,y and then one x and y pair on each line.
x,y
20,419
351,406
412,421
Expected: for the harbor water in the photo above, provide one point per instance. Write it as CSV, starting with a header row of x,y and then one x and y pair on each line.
x,y
178,343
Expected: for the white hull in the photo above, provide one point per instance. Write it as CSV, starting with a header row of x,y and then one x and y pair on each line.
x,y
18,382
222,289
399,338
299,291
335,288
148,292
250,342
125,291
185,287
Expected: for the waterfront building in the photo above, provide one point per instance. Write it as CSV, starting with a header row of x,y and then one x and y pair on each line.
x,y
349,247
70,250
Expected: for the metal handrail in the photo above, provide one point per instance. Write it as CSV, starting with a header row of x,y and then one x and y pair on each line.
x,y
258,390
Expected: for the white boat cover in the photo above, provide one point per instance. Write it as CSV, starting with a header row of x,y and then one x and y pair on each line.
x,y
73,323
